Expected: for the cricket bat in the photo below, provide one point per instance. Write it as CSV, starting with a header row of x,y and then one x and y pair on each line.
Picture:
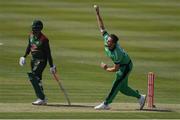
x,y
56,77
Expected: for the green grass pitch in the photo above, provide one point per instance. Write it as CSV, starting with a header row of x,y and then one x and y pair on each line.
x,y
149,30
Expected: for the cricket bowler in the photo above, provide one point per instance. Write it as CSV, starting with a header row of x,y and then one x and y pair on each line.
x,y
38,46
122,67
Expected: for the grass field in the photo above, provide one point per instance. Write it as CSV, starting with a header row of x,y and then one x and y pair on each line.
x,y
148,30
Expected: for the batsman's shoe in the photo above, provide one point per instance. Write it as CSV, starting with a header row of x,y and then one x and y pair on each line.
x,y
40,102
102,106
142,101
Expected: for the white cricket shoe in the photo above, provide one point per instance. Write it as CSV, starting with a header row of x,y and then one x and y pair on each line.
x,y
142,101
102,106
40,102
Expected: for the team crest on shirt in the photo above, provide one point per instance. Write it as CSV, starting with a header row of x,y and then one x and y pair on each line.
x,y
33,47
35,43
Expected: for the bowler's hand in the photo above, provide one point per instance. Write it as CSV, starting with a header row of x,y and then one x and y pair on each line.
x,y
22,61
104,66
96,8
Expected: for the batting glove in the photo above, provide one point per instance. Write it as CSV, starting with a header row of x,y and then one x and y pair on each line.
x,y
22,61
53,69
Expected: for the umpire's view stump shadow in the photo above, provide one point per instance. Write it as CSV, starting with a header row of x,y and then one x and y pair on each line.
x,y
63,105
143,110
157,110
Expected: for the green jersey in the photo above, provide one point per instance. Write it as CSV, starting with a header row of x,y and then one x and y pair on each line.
x,y
36,47
39,48
118,55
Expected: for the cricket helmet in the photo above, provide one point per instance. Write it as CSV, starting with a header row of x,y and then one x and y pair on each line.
x,y
37,25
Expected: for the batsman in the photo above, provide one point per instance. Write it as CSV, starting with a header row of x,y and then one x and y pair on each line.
x,y
38,46
122,67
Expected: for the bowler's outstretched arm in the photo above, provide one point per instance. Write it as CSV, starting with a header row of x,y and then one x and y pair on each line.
x,y
99,19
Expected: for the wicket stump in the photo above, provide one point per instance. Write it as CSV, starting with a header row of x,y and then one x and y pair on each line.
x,y
150,96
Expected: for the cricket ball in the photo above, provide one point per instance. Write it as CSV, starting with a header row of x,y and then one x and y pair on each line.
x,y
95,6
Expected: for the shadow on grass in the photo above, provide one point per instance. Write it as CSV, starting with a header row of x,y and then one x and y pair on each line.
x,y
157,110
128,110
144,110
62,105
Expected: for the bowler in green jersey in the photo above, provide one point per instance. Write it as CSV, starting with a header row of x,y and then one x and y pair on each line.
x,y
122,67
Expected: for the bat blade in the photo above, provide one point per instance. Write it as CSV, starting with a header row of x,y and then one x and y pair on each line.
x,y
56,77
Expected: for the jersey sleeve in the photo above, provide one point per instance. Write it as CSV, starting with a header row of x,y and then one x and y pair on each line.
x,y
48,52
28,49
105,36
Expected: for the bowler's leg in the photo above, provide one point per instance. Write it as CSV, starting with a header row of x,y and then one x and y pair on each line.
x,y
125,89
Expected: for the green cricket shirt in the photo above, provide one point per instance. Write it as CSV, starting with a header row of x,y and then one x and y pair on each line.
x,y
118,55
39,48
